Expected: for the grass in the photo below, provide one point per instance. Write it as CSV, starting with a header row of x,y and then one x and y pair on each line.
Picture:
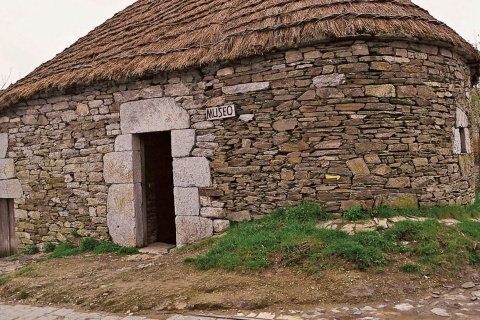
x,y
90,245
289,237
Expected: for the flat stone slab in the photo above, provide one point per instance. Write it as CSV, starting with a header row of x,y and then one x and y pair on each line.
x,y
157,248
440,312
404,307
246,87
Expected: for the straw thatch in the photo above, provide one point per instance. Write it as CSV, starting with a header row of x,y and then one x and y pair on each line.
x,y
160,35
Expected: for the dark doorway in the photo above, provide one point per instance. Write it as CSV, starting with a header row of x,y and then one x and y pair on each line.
x,y
8,244
158,187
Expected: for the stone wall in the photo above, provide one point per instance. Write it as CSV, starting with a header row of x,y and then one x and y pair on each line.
x,y
343,124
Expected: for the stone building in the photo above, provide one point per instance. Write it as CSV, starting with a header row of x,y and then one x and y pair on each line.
x,y
175,117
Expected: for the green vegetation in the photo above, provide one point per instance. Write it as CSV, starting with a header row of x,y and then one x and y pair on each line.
x,y
49,247
4,280
355,214
411,268
24,270
30,249
289,237
90,245
448,212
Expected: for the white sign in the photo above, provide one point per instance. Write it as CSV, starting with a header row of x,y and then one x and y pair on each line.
x,y
222,112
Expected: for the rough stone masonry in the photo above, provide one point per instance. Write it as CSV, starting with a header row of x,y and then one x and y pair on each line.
x,y
389,121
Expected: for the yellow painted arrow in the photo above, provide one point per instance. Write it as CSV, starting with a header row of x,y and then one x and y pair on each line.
x,y
330,177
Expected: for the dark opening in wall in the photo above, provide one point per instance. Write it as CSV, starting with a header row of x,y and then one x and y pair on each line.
x,y
463,142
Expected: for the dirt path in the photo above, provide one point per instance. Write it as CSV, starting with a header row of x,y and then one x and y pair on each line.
x,y
158,285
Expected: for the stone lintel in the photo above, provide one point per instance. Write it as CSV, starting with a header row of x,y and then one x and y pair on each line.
x,y
127,142
153,115
124,214
191,172
7,169
192,229
187,201
10,189
183,142
461,119
3,145
122,167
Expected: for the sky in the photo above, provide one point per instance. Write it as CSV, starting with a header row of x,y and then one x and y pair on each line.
x,y
34,31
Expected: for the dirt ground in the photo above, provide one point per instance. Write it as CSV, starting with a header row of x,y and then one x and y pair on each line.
x,y
157,285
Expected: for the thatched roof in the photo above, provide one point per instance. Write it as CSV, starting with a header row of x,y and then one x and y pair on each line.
x,y
160,35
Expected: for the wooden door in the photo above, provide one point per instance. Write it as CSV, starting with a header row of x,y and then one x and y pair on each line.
x,y
7,228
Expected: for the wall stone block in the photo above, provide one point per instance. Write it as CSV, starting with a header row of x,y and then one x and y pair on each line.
x,y
220,226
246,88
183,142
398,183
212,212
7,169
358,167
3,145
192,229
124,214
11,189
380,91
191,172
127,142
329,80
461,119
122,167
187,201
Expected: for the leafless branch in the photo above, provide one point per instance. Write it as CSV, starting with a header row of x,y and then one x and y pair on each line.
x,y
5,80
